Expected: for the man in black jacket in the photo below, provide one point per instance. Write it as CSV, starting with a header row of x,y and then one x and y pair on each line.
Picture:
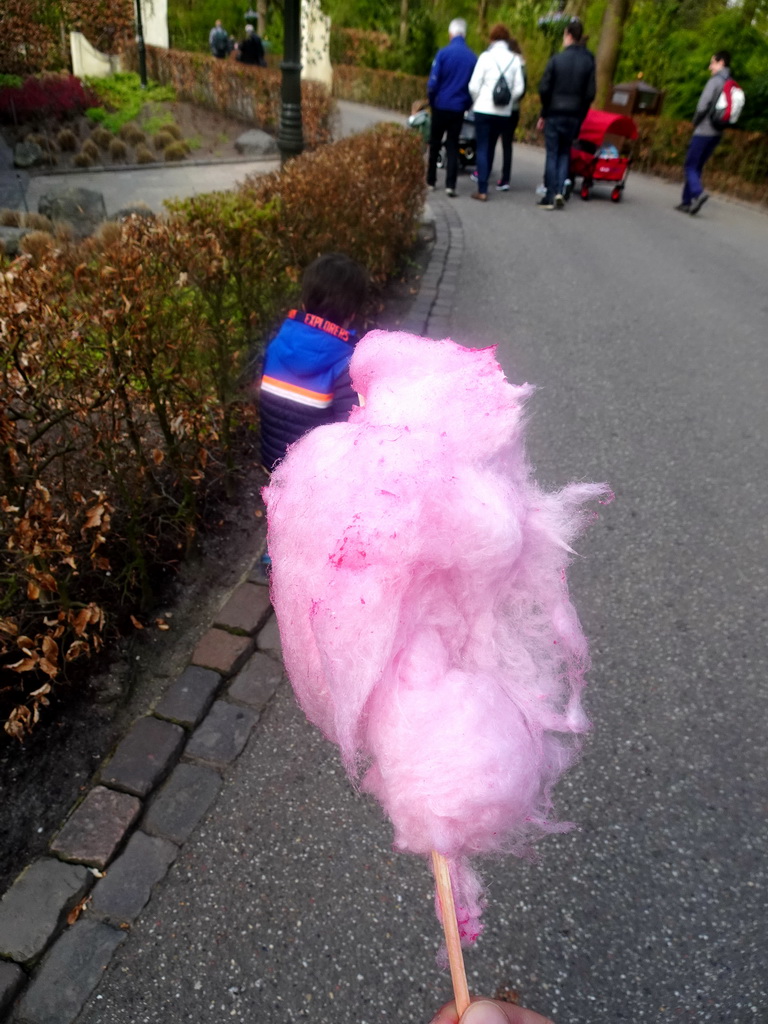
x,y
251,50
567,89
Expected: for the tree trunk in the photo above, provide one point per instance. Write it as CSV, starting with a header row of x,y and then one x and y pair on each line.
x,y
482,17
749,10
403,22
261,17
608,48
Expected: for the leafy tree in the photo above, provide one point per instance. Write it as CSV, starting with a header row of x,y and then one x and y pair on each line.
x,y
676,59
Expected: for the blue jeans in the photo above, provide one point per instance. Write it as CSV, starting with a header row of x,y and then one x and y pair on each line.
x,y
559,133
488,128
700,149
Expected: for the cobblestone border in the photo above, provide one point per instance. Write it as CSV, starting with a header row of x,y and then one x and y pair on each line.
x,y
65,915
431,312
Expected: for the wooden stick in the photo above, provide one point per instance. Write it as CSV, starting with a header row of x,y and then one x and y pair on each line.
x,y
451,928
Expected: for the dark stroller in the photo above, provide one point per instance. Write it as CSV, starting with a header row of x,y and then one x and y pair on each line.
x,y
421,121
603,152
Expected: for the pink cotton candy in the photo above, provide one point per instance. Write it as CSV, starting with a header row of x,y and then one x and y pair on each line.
x,y
418,576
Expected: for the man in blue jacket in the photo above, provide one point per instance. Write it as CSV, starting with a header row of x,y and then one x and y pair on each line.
x,y
449,97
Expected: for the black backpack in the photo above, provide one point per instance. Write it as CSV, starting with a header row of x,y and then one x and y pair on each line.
x,y
502,95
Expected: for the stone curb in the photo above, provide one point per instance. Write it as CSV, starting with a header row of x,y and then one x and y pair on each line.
x,y
148,801
52,172
431,312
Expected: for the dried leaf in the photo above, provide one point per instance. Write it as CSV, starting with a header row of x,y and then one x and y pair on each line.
x,y
80,621
76,650
136,622
75,912
50,650
33,591
95,516
14,729
47,667
25,665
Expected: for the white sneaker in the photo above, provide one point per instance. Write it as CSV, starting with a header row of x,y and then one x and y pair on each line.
x,y
451,192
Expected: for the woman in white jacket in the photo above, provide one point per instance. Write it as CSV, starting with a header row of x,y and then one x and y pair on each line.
x,y
491,120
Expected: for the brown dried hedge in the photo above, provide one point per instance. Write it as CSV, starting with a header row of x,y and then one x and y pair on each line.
x,y
122,364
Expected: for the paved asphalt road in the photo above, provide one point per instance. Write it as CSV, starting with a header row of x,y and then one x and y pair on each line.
x,y
646,331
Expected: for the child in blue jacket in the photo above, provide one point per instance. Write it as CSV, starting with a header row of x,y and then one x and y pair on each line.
x,y
305,378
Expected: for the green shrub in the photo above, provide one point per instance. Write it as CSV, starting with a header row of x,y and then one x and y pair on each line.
x,y
37,221
161,140
90,149
133,135
117,150
175,151
173,130
102,138
125,130
144,155
67,140
124,97
36,245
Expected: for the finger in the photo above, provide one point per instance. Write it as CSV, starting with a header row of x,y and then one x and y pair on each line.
x,y
486,1011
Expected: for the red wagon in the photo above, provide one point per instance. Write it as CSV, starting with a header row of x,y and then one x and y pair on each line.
x,y
603,152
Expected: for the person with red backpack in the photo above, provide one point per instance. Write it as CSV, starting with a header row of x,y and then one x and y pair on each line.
x,y
711,117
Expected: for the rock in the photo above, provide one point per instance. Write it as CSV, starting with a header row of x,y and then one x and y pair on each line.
x,y
140,210
28,154
34,908
256,143
83,208
10,238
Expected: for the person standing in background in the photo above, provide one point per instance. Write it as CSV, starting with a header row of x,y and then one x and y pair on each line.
x,y
492,119
566,89
508,132
251,50
705,136
218,40
448,93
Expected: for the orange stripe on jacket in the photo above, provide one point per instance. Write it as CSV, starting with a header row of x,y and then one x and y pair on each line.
x,y
283,385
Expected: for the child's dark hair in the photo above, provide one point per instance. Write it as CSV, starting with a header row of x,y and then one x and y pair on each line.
x,y
334,287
